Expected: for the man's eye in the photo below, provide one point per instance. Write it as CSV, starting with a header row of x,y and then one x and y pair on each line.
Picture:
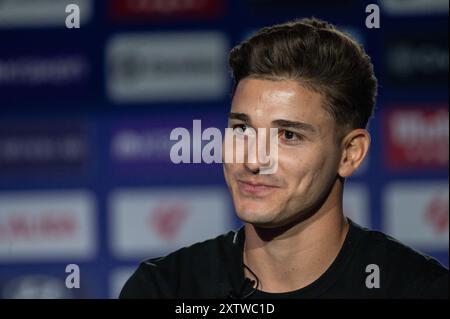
x,y
291,136
240,128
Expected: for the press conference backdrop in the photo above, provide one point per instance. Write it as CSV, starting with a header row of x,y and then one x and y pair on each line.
x,y
86,115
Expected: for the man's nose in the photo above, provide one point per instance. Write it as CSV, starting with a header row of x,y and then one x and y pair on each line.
x,y
253,161
253,168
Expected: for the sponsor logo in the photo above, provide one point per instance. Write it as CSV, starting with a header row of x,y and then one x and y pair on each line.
x,y
40,13
436,214
32,71
133,10
56,73
417,138
289,4
167,220
414,7
167,67
157,221
133,145
419,61
417,214
43,226
36,287
141,147
43,148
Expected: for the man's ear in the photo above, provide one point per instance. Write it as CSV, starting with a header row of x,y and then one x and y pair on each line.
x,y
355,146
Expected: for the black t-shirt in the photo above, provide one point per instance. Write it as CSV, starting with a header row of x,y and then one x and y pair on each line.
x,y
369,265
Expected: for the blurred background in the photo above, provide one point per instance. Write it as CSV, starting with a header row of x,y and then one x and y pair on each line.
x,y
86,114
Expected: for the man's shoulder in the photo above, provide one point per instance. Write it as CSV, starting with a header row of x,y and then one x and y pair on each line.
x,y
402,264
379,244
191,267
197,253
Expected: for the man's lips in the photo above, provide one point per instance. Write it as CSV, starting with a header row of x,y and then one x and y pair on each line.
x,y
255,188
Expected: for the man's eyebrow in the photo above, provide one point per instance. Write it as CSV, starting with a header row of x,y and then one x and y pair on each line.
x,y
294,124
278,123
239,116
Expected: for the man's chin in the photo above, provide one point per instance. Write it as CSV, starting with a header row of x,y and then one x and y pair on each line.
x,y
257,218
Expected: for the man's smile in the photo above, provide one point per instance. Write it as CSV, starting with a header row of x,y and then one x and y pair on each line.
x,y
247,187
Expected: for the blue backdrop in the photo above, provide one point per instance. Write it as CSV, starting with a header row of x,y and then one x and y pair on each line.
x,y
86,114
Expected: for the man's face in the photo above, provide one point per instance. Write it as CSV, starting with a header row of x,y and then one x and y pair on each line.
x,y
308,154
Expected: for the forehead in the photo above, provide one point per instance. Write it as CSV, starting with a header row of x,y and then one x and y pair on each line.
x,y
267,100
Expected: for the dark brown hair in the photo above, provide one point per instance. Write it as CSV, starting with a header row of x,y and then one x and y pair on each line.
x,y
319,57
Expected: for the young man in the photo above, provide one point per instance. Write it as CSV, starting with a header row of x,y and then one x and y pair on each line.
x,y
317,87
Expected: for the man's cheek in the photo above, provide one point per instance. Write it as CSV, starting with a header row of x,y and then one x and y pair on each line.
x,y
228,173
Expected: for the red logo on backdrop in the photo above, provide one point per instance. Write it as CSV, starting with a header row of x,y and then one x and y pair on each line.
x,y
436,213
28,226
167,220
416,138
165,9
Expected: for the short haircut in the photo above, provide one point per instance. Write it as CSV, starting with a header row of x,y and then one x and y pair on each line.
x,y
316,55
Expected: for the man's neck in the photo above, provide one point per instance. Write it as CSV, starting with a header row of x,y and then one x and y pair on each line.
x,y
298,256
